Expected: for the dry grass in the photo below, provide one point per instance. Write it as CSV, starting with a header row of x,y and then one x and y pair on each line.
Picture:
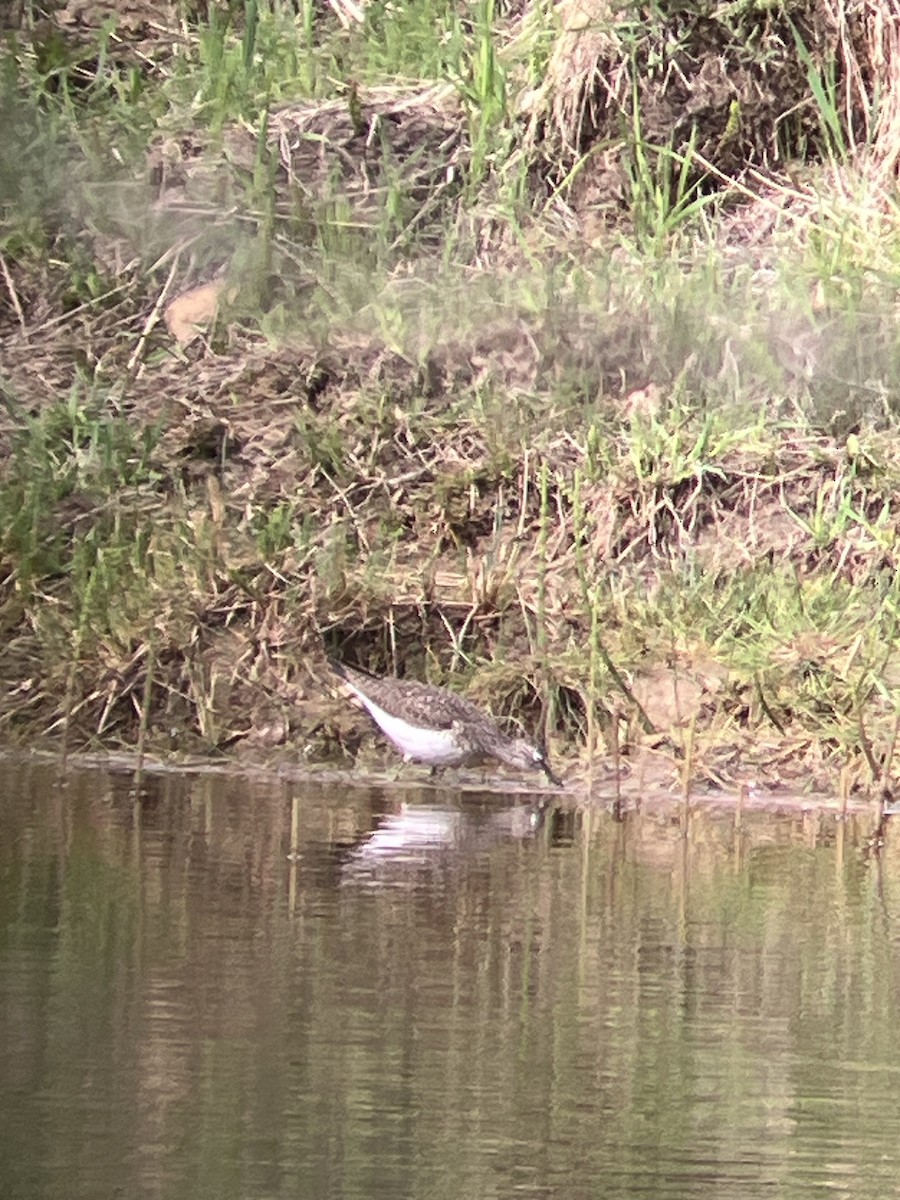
x,y
640,493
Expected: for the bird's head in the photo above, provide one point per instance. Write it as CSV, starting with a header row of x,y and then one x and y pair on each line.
x,y
525,755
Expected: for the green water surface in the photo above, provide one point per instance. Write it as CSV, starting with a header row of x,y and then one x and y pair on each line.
x,y
219,988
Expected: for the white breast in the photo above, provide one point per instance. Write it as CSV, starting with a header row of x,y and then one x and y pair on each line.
x,y
438,747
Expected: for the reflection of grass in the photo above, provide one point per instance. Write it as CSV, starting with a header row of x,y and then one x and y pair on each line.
x,y
655,476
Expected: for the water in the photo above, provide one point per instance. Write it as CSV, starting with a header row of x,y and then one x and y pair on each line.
x,y
227,988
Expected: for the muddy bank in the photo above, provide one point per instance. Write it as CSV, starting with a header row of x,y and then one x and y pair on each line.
x,y
624,796
567,397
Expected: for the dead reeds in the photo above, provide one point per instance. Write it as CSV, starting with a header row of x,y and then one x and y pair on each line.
x,y
500,387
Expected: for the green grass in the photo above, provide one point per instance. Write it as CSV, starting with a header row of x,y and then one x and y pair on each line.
x,y
638,488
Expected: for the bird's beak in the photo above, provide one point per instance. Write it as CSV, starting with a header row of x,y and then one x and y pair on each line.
x,y
554,779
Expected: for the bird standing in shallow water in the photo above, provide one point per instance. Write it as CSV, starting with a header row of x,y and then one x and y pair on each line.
x,y
433,725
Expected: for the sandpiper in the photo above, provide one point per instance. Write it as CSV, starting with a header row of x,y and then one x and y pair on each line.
x,y
432,725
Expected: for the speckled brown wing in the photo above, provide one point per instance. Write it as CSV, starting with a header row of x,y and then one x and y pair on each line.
x,y
418,703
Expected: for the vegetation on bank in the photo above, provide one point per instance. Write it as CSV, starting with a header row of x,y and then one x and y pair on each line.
x,y
550,353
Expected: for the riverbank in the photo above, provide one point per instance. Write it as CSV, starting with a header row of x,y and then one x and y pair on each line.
x,y
300,356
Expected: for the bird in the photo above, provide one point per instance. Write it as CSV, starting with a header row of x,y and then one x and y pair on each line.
x,y
433,725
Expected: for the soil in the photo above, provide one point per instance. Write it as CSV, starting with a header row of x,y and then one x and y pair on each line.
x,y
360,424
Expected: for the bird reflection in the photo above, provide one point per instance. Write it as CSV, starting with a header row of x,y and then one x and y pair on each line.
x,y
433,837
